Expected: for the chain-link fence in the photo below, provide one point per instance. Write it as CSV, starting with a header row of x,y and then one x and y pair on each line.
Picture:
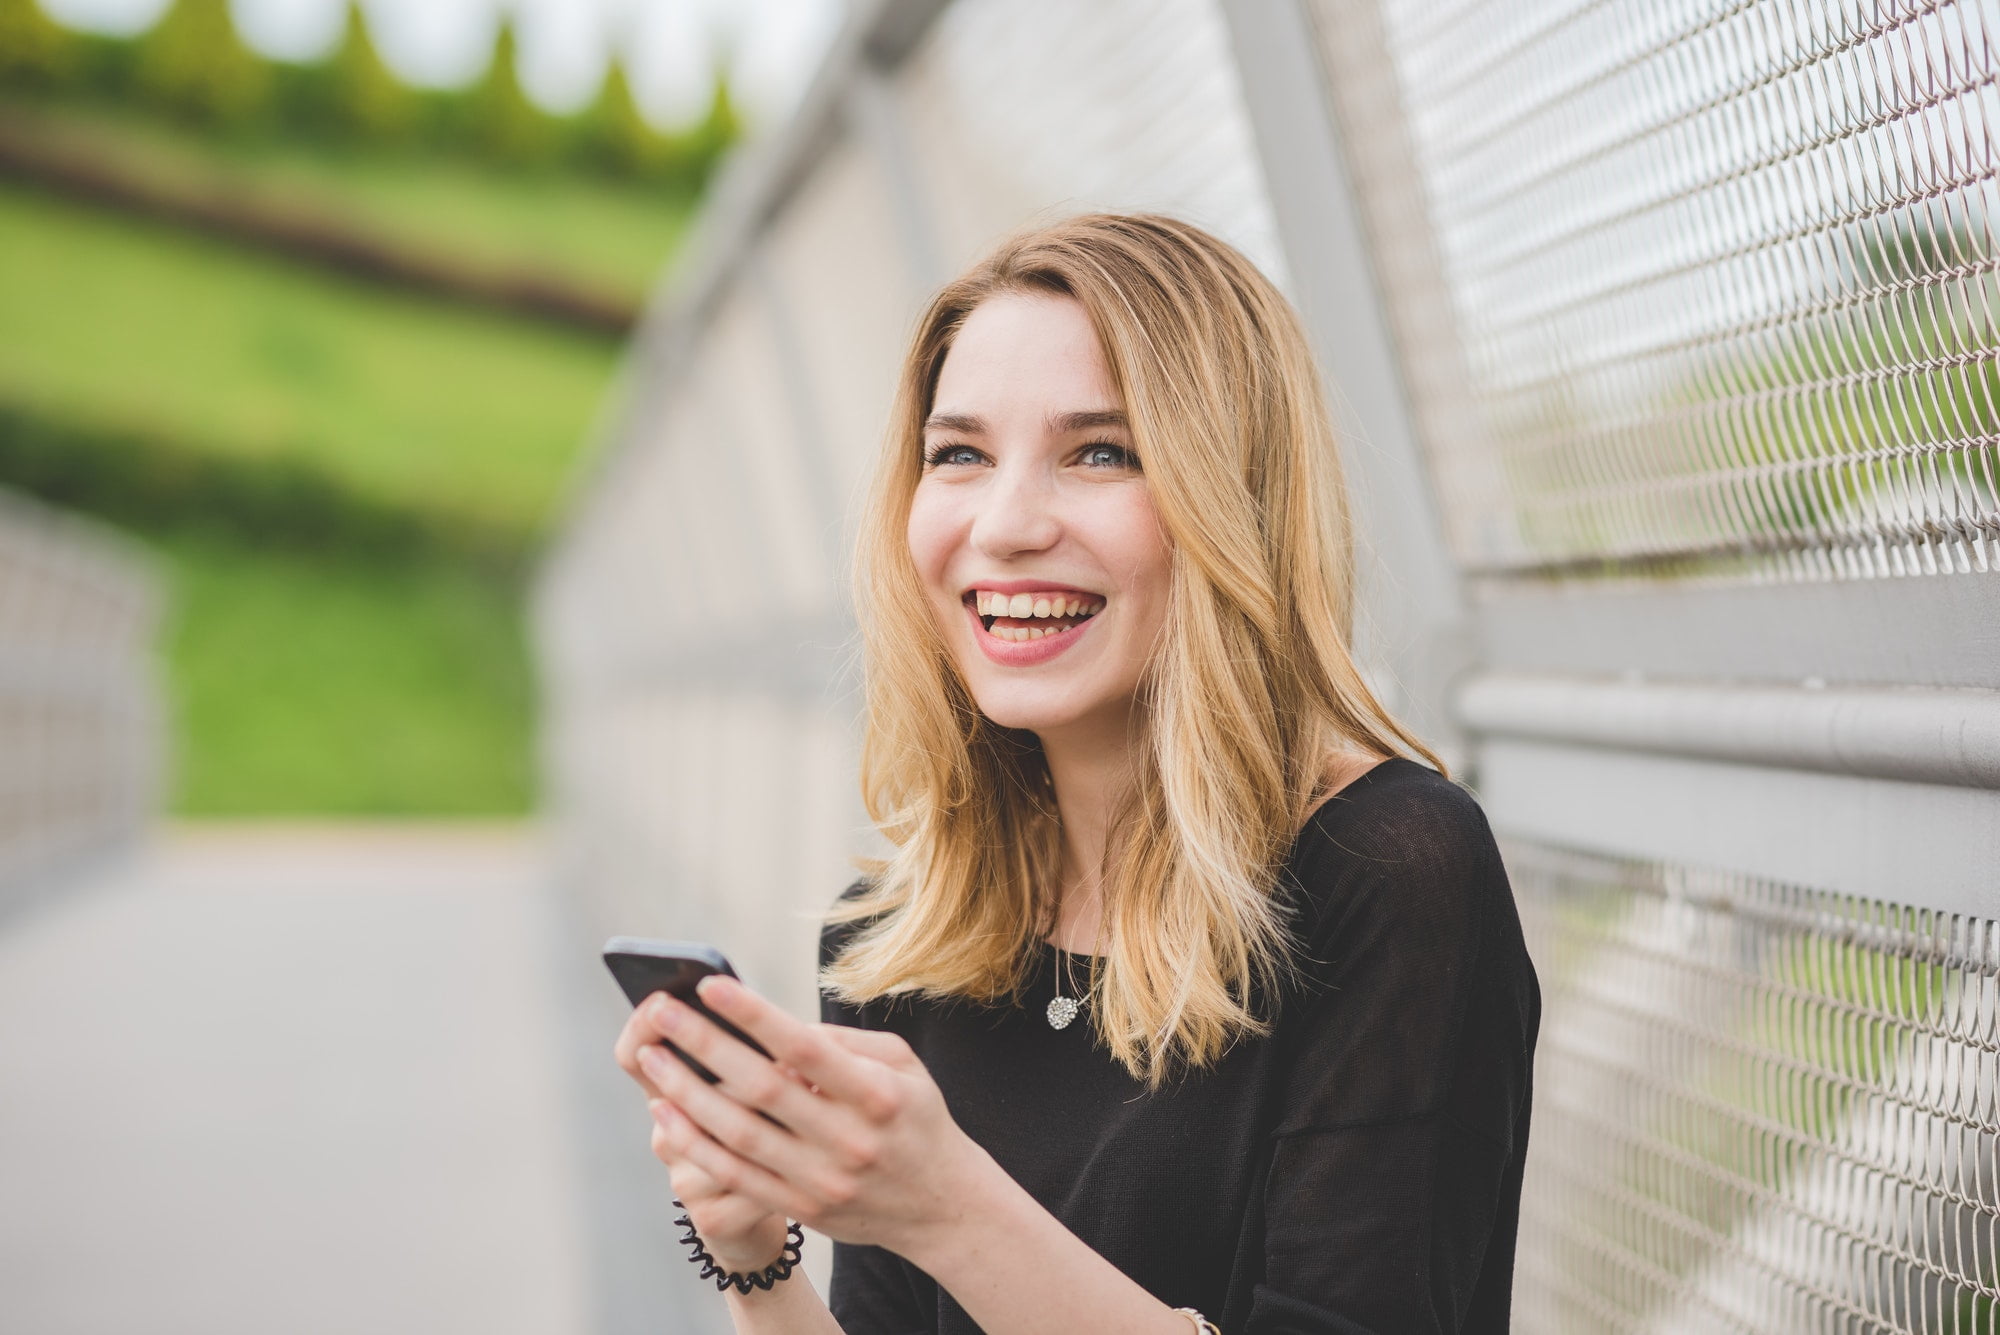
x,y
1664,341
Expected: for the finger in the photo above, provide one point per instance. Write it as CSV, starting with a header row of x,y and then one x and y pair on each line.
x,y
747,1076
663,1150
692,1185
878,1044
835,1138
714,1210
641,1028
730,1172
735,1127
839,1074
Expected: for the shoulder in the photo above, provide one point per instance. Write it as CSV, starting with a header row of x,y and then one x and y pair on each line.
x,y
1402,849
1396,813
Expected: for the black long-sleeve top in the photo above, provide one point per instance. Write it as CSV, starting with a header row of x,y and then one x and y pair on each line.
x,y
1357,1170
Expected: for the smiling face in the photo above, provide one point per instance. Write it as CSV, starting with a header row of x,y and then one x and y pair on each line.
x,y
1032,529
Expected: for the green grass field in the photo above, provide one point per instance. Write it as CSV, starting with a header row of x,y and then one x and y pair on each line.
x,y
603,235
108,322
314,673
314,686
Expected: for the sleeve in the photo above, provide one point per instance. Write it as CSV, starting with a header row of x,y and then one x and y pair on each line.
x,y
871,1292
1394,1173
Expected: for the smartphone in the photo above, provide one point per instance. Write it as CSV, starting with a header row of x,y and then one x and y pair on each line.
x,y
644,966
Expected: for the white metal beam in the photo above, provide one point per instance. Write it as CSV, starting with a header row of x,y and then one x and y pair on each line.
x,y
1913,734
1413,624
1924,845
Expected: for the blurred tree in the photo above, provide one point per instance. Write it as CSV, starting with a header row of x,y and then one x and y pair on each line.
x,y
192,63
502,120
352,93
35,52
611,134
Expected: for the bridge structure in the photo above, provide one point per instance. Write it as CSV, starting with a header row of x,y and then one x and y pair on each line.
x,y
1663,338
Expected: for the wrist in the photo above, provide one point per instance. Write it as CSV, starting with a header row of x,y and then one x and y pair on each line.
x,y
750,1254
729,1270
974,1199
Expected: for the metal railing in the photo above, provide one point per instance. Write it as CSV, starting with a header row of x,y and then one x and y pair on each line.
x,y
80,728
1758,1107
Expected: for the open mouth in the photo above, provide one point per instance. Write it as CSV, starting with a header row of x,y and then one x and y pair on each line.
x,y
1020,617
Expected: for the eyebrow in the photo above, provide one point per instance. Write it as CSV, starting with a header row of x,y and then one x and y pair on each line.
x,y
1060,423
965,422
1063,423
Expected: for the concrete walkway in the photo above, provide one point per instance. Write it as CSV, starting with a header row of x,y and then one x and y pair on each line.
x,y
314,1080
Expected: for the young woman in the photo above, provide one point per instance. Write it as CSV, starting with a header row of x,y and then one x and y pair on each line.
x,y
1187,999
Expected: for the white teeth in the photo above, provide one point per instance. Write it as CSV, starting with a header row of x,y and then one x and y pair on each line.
x,y
1019,634
1024,605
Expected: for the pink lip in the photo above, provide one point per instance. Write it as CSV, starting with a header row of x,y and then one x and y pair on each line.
x,y
1027,586
1024,653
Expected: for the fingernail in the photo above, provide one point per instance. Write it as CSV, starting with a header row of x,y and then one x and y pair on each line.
x,y
651,1058
711,987
665,1016
662,1112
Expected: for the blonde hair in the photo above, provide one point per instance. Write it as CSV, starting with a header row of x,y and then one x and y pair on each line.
x,y
1252,692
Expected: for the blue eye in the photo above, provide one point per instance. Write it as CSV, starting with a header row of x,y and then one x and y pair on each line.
x,y
1125,458
943,452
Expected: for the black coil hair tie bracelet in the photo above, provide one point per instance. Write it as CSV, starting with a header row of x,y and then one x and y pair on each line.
x,y
795,1241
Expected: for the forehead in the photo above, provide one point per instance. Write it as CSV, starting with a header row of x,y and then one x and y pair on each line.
x,y
1026,353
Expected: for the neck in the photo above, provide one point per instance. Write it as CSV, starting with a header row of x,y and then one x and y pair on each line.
x,y
1093,770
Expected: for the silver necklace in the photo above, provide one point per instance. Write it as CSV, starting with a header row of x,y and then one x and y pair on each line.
x,y
1063,1009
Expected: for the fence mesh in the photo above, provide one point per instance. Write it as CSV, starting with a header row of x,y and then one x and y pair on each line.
x,y
1758,1108
79,726
1712,283
1021,110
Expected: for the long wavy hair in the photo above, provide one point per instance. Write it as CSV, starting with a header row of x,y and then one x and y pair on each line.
x,y
1252,696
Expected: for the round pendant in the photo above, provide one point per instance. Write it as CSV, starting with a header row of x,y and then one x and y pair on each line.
x,y
1061,1011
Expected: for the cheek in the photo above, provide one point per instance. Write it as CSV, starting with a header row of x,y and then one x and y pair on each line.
x,y
1139,546
929,533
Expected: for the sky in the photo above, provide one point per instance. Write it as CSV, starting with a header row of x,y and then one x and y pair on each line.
x,y
772,45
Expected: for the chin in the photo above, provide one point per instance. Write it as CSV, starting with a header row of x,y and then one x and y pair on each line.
x,y
1056,711
1012,710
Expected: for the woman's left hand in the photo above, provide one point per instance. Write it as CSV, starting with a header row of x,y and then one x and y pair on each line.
x,y
863,1148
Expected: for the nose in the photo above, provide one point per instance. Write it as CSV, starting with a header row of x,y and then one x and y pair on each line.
x,y
1016,514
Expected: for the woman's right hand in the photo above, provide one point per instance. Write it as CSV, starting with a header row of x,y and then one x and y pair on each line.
x,y
739,1233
